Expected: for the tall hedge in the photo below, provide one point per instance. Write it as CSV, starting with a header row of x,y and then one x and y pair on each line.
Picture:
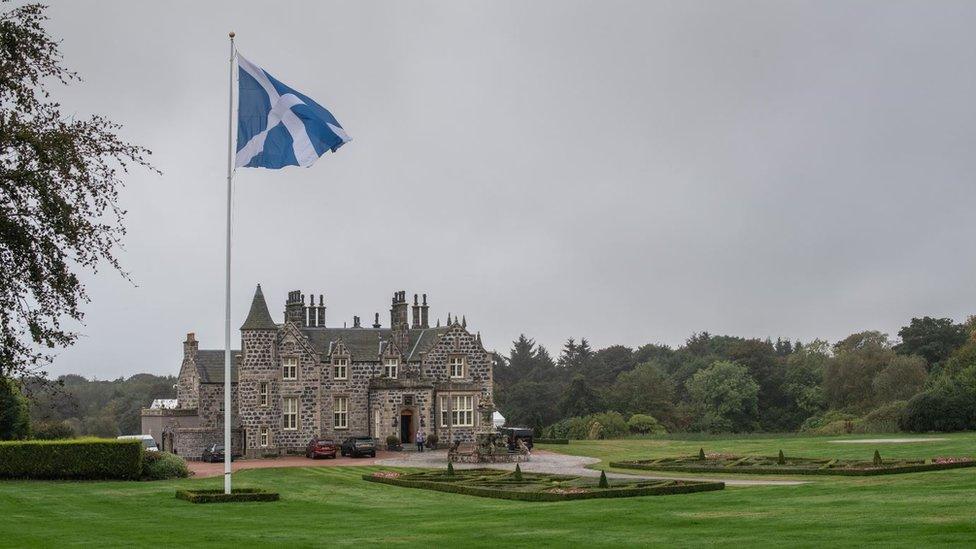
x,y
80,459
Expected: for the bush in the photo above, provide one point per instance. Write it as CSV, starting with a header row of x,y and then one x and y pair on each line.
x,y
883,419
815,423
218,496
14,415
645,424
80,459
518,473
431,441
603,480
943,408
392,440
163,466
52,430
592,427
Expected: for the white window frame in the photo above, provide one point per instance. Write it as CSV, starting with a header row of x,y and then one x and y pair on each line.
x,y
458,409
340,412
263,394
264,437
391,367
343,363
289,414
457,361
289,365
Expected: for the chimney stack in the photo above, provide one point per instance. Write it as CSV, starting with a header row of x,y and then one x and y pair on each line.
x,y
376,321
416,313
190,346
355,322
295,308
399,324
423,313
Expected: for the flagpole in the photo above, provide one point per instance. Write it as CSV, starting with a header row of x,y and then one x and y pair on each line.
x,y
228,449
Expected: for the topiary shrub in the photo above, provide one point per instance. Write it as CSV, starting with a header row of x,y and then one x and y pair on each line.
x,y
79,459
163,466
450,468
781,459
877,458
645,425
518,473
701,454
431,441
603,480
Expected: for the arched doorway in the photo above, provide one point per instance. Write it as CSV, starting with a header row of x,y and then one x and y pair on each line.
x,y
407,428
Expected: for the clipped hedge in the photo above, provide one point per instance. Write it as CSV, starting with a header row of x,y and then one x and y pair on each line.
x,y
218,496
786,470
79,459
683,488
550,441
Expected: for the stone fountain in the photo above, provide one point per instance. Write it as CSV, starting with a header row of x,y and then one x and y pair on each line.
x,y
490,446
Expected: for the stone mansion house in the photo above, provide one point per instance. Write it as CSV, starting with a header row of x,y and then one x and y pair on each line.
x,y
302,379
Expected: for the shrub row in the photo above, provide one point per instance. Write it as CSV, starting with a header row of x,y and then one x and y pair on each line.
x,y
79,459
548,496
891,470
551,441
218,496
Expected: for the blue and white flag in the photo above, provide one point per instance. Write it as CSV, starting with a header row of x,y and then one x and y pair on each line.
x,y
278,126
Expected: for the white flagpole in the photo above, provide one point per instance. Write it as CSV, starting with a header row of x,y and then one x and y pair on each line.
x,y
228,451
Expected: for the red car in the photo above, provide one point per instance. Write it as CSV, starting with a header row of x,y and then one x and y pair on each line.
x,y
321,447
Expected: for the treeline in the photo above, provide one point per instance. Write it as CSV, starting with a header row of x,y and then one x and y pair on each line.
x,y
716,383
75,406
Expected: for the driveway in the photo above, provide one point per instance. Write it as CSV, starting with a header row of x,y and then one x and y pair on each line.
x,y
550,462
202,469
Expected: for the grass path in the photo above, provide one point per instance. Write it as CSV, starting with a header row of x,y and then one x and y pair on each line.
x,y
333,506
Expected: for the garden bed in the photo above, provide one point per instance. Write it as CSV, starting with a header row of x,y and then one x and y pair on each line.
x,y
785,465
494,483
218,496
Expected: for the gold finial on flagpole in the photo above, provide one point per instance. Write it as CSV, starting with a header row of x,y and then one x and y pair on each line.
x,y
231,34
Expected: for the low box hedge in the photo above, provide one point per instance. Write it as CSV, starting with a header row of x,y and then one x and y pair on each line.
x,y
468,490
551,441
79,459
787,470
218,496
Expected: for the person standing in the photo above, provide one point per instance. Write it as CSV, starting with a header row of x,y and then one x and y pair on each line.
x,y
420,439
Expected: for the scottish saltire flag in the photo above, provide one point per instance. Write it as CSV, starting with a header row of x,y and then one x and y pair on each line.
x,y
278,126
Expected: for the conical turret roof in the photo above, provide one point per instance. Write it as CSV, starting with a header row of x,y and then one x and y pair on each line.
x,y
258,318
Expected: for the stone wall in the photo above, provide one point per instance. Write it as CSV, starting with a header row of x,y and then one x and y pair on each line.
x,y
191,441
356,389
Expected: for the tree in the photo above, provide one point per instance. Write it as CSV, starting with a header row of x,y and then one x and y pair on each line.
x,y
644,390
803,382
579,399
933,339
901,379
59,182
726,398
14,417
848,376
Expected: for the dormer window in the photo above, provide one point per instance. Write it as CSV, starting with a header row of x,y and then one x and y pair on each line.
x,y
456,366
391,367
289,368
340,368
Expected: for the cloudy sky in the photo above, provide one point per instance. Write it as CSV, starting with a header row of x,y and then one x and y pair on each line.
x,y
630,172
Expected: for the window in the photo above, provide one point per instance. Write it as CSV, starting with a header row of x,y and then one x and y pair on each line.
x,y
340,368
290,368
391,366
264,437
263,393
457,410
290,419
340,413
456,364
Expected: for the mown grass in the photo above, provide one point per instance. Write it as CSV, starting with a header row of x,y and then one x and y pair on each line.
x,y
334,506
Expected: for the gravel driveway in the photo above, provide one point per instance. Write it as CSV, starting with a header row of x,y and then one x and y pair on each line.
x,y
549,462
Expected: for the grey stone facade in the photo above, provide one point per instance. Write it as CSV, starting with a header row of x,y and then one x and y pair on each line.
x,y
421,394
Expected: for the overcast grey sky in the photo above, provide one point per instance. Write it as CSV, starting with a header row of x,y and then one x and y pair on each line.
x,y
630,172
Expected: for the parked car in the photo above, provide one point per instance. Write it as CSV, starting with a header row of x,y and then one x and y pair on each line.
x,y
358,447
148,442
320,447
215,454
515,434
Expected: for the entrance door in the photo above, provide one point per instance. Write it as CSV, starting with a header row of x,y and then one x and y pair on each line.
x,y
406,426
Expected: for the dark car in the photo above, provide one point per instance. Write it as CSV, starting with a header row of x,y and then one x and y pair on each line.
x,y
321,447
358,447
515,434
215,453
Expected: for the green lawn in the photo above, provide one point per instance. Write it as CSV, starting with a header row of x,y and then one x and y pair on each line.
x,y
326,506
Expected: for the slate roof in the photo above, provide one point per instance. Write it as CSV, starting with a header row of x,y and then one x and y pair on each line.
x,y
258,318
210,366
364,344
